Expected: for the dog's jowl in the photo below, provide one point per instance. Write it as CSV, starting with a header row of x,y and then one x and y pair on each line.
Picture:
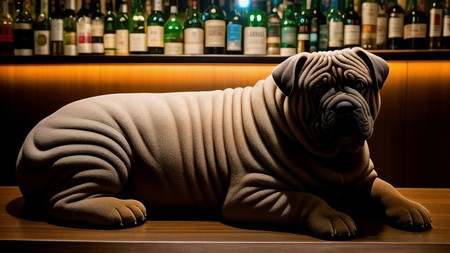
x,y
289,151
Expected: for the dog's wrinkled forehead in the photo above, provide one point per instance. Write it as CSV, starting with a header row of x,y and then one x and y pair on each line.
x,y
333,66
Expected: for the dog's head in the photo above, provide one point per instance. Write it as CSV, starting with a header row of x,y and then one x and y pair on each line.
x,y
336,94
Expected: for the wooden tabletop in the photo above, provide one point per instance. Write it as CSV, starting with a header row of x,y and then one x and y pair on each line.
x,y
21,235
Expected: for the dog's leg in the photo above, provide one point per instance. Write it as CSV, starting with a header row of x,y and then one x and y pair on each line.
x,y
400,211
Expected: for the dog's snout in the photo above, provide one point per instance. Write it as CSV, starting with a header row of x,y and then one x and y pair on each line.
x,y
344,108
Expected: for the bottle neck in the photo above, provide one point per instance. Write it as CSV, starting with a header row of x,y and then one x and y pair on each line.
x,y
69,4
124,8
5,8
44,7
411,5
157,5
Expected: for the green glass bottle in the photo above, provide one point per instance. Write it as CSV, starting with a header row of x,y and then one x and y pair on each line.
x,y
396,19
234,29
415,29
57,30
98,28
173,32
369,16
255,31
273,29
318,38
23,30
352,25
193,31
122,30
304,29
155,29
335,27
110,29
215,28
138,24
70,28
42,31
288,35
435,24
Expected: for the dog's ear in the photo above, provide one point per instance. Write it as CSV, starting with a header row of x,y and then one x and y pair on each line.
x,y
286,74
378,67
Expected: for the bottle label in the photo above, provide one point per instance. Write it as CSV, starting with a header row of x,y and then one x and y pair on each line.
x,y
98,31
336,34
23,39
70,43
435,22
352,35
395,29
173,48
155,37
56,30
41,42
412,31
193,41
287,51
381,30
110,41
215,33
288,36
122,46
84,36
255,40
323,37
234,37
446,30
369,13
137,42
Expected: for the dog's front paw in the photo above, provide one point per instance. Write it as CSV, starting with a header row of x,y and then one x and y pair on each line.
x,y
409,215
330,224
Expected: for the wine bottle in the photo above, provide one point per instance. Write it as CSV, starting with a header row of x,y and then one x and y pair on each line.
x,y
109,38
288,35
255,31
273,29
303,32
98,28
335,27
381,26
57,30
415,29
396,19
42,30
369,16
446,26
84,29
352,25
155,29
318,23
6,31
435,23
215,29
138,37
23,30
234,30
173,32
193,31
122,31
70,28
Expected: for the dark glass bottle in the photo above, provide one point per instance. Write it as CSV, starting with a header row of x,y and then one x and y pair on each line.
x,y
396,19
122,30
23,30
273,29
98,28
335,27
352,25
382,22
304,29
6,31
42,31
138,23
70,28
288,33
235,26
215,29
415,29
435,24
110,29
155,29
57,30
319,28
446,26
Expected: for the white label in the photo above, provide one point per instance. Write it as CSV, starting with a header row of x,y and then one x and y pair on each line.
x,y
255,40
122,46
173,48
446,30
381,30
110,40
435,22
41,42
415,31
193,41
155,37
56,30
287,51
98,29
369,13
84,36
352,35
336,36
215,33
70,50
137,42
395,29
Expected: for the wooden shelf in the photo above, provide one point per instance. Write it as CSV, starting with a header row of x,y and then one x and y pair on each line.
x,y
21,235
389,55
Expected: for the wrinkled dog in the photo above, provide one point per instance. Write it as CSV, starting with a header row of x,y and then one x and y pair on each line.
x,y
289,151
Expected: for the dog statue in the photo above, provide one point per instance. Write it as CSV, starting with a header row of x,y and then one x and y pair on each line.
x,y
289,151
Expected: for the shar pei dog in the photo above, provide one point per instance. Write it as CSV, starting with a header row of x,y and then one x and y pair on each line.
x,y
289,151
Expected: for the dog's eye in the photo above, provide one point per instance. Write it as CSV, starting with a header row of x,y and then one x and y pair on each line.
x,y
358,86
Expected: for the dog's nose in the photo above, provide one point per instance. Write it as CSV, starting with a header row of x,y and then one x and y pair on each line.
x,y
344,108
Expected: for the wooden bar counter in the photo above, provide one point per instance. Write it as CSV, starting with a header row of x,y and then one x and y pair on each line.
x,y
25,235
